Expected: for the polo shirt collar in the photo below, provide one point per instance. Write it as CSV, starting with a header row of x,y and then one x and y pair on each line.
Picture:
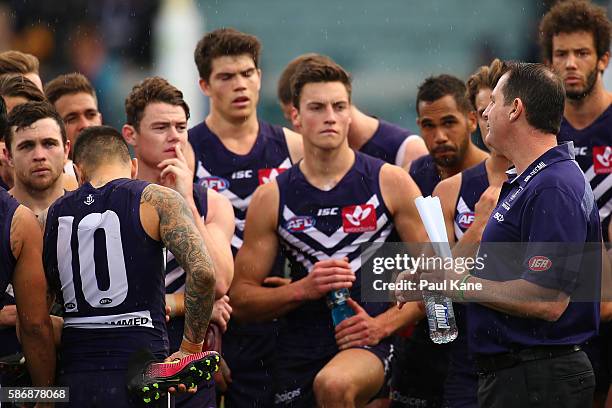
x,y
558,153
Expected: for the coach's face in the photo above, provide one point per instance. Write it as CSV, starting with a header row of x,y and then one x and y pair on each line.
x,y
233,86
38,154
498,118
446,130
574,59
324,115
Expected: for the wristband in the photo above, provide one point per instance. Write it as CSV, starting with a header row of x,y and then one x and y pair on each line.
x,y
461,294
190,347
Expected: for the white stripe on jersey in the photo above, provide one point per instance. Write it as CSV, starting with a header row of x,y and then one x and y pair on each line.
x,y
132,319
604,186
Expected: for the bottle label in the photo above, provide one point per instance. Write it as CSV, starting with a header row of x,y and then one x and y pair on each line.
x,y
441,316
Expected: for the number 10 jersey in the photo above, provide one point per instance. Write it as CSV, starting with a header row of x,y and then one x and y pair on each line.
x,y
108,275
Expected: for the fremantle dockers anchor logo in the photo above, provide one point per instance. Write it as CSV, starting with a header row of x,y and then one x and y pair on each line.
x,y
89,200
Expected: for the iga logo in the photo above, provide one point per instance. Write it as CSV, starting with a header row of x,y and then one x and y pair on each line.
x,y
215,183
300,223
267,175
602,159
359,218
539,263
465,220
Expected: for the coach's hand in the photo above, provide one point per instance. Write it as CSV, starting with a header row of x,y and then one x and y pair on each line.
x,y
358,330
325,276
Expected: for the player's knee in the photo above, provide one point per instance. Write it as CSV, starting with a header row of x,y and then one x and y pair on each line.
x,y
332,389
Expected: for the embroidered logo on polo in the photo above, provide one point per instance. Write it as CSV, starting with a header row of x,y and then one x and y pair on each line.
x,y
267,175
539,263
602,159
359,218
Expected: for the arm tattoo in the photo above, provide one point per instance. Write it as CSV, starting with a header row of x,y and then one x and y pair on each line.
x,y
180,235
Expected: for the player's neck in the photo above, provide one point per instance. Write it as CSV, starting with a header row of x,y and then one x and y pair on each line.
x,y
105,174
583,112
238,136
473,155
362,128
148,173
37,200
325,168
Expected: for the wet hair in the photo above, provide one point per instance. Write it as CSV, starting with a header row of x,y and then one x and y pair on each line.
x,y
316,71
17,62
485,77
437,87
151,90
25,115
68,84
13,85
541,92
224,42
284,82
100,144
571,16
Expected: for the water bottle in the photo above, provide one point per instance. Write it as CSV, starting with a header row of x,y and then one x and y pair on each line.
x,y
441,318
337,302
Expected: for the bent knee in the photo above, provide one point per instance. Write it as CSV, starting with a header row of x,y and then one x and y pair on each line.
x,y
332,387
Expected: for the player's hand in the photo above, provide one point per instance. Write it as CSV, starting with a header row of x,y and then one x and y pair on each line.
x,y
413,294
358,330
276,281
8,315
180,388
486,204
221,313
325,276
176,174
168,311
223,377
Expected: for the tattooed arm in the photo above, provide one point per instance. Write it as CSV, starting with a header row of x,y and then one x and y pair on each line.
x,y
179,234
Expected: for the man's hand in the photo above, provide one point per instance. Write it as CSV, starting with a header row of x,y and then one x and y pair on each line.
x,y
358,330
485,205
180,388
8,315
221,313
176,175
325,276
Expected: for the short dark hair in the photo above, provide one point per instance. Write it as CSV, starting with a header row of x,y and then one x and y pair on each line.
x,y
541,92
571,16
485,77
436,87
316,71
25,115
224,42
3,120
17,62
68,84
13,85
151,90
100,144
284,82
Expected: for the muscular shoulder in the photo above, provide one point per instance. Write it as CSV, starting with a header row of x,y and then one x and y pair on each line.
x,y
23,226
448,189
159,204
396,185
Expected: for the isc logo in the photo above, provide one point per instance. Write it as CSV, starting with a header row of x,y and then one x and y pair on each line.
x,y
539,263
327,211
242,174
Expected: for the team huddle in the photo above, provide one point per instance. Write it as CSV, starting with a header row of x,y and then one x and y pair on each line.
x,y
132,258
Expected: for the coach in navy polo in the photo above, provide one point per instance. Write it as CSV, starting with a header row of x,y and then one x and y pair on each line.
x,y
528,352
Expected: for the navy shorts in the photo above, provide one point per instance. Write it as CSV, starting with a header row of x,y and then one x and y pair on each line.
x,y
295,373
418,373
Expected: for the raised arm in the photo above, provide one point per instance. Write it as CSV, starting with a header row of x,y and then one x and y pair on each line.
x,y
30,287
180,235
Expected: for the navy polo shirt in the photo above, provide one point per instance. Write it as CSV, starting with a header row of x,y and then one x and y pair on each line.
x,y
550,202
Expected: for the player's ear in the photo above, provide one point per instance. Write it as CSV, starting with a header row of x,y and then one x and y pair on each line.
x,y
134,170
66,149
472,121
129,134
78,172
204,86
296,119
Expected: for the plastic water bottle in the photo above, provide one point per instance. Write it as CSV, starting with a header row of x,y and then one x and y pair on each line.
x,y
337,302
441,318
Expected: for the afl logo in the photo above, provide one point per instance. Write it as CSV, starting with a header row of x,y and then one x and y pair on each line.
x,y
106,301
299,224
465,220
215,183
539,263
69,306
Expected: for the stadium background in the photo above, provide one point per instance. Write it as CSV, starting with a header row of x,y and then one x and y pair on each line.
x,y
389,46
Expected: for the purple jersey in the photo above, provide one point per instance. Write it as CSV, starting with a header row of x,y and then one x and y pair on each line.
x,y
388,143
237,176
315,225
8,206
111,275
425,174
593,152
